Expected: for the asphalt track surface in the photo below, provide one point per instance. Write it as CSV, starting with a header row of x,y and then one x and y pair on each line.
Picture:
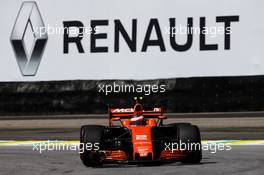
x,y
22,160
240,160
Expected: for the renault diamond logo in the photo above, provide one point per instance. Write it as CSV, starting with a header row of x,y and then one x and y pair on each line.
x,y
28,16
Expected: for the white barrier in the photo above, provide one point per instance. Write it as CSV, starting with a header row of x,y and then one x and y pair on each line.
x,y
131,39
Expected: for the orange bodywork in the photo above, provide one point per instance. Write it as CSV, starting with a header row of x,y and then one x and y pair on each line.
x,y
172,155
141,135
142,141
118,155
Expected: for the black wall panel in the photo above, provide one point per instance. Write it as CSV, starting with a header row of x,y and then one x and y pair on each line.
x,y
211,94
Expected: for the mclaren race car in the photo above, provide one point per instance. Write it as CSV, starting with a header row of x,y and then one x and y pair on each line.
x,y
136,135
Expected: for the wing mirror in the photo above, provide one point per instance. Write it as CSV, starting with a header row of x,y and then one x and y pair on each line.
x,y
116,119
162,117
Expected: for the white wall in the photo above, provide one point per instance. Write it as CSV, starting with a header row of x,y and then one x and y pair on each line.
x,y
245,57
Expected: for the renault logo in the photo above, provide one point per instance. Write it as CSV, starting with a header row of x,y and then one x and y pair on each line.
x,y
28,16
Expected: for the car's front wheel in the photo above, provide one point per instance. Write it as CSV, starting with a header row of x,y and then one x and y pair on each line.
x,y
190,136
91,140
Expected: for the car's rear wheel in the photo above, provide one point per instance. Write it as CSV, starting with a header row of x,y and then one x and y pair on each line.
x,y
190,136
91,139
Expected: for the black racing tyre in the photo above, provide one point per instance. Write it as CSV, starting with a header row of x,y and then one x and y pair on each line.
x,y
190,136
92,135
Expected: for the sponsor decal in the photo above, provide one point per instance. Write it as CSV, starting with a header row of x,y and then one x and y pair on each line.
x,y
28,17
130,110
141,137
74,31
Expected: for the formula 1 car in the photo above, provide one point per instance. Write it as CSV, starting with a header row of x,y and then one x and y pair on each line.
x,y
139,137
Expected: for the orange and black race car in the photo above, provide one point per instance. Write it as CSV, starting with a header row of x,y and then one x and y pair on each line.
x,y
139,137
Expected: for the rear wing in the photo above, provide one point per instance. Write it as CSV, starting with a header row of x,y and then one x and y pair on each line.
x,y
128,112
